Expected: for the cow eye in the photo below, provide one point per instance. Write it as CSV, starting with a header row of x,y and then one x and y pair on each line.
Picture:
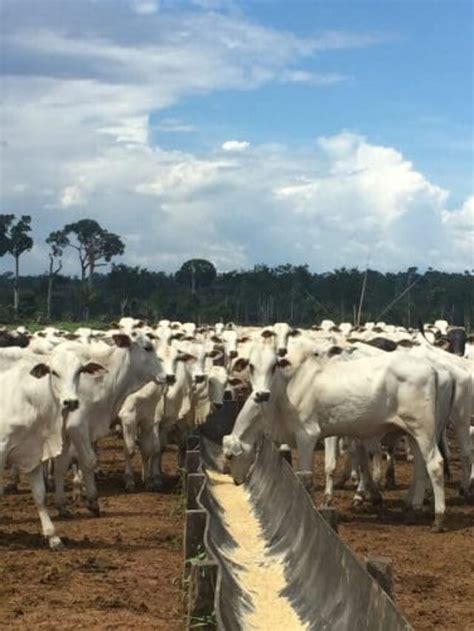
x,y
55,374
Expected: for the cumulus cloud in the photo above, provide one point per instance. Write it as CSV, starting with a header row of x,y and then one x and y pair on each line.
x,y
235,145
81,86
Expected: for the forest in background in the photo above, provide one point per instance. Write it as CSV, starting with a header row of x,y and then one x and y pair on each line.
x,y
198,292
256,296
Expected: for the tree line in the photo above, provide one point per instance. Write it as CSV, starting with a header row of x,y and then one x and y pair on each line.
x,y
198,292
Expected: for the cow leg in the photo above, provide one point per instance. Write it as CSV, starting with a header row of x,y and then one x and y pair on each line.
x,y
416,493
128,477
434,466
79,435
181,436
305,444
462,429
77,483
61,465
48,474
12,486
129,430
3,462
390,480
155,457
330,462
39,496
366,476
377,467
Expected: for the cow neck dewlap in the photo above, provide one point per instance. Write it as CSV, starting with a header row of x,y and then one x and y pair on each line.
x,y
259,572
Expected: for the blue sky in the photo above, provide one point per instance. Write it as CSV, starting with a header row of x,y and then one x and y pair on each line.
x,y
244,132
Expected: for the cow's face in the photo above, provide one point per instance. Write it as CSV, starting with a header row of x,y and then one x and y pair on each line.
x,y
263,363
217,386
283,332
144,360
238,458
65,370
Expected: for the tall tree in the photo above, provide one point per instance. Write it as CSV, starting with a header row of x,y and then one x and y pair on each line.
x,y
15,240
196,273
57,242
96,247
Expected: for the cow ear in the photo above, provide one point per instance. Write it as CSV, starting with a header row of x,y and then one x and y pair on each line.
x,y
71,336
186,357
334,350
295,333
214,354
139,325
177,336
240,364
267,334
243,339
114,325
152,336
92,368
40,370
235,381
283,363
121,340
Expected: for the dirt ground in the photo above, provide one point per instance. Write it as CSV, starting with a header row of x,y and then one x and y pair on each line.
x,y
123,570
433,573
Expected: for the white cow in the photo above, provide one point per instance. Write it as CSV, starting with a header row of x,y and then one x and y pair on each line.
x,y
363,398
129,365
36,398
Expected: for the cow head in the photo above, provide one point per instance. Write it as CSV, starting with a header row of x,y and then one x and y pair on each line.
x,y
238,457
65,369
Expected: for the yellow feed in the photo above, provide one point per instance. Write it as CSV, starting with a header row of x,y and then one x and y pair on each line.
x,y
261,574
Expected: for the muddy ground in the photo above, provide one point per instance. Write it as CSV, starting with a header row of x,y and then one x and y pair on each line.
x,y
123,570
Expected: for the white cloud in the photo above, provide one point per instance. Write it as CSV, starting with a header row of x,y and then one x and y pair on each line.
x,y
76,111
460,225
313,78
145,7
174,125
235,145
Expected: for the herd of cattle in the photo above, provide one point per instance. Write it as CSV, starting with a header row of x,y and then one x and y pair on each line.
x,y
360,388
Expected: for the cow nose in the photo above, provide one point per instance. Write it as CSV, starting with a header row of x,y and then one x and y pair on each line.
x,y
262,397
170,379
70,405
233,354
199,378
282,352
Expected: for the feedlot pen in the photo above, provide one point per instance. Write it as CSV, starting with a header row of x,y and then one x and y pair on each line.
x,y
124,569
